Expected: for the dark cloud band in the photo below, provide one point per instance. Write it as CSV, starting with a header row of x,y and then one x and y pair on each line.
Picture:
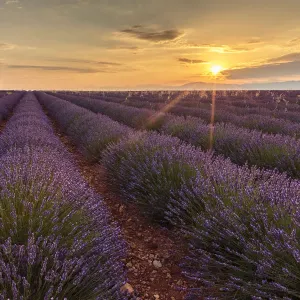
x,y
141,33
191,61
55,68
264,71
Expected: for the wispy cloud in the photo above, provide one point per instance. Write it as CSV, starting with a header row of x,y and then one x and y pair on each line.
x,y
56,68
7,46
191,61
286,58
12,2
122,47
142,33
228,49
216,48
293,42
85,61
264,71
254,40
72,69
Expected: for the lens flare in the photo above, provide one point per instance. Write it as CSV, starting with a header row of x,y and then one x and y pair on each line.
x,y
216,69
166,108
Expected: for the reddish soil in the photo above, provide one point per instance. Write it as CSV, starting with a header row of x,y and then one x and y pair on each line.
x,y
147,243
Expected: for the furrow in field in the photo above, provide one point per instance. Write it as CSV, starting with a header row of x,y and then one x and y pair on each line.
x,y
149,245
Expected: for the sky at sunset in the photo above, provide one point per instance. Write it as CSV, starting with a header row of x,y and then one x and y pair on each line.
x,y
132,44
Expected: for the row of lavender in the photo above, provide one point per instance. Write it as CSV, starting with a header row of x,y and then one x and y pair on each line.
x,y
237,98
245,117
7,102
280,109
263,123
242,224
200,109
240,145
57,240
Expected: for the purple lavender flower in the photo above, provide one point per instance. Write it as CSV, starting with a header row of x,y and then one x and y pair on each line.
x,y
241,223
241,145
57,240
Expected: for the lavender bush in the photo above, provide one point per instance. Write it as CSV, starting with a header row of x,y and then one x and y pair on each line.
x,y
232,216
246,247
239,144
131,116
7,103
29,125
155,168
235,111
57,240
91,132
242,223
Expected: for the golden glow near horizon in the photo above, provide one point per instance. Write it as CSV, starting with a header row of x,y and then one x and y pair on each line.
x,y
94,45
216,69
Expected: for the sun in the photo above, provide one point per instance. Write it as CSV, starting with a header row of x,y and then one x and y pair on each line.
x,y
216,69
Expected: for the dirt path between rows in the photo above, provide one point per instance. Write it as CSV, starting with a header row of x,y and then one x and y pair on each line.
x,y
3,122
154,253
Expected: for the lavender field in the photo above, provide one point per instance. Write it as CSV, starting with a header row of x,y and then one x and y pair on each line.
x,y
216,172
